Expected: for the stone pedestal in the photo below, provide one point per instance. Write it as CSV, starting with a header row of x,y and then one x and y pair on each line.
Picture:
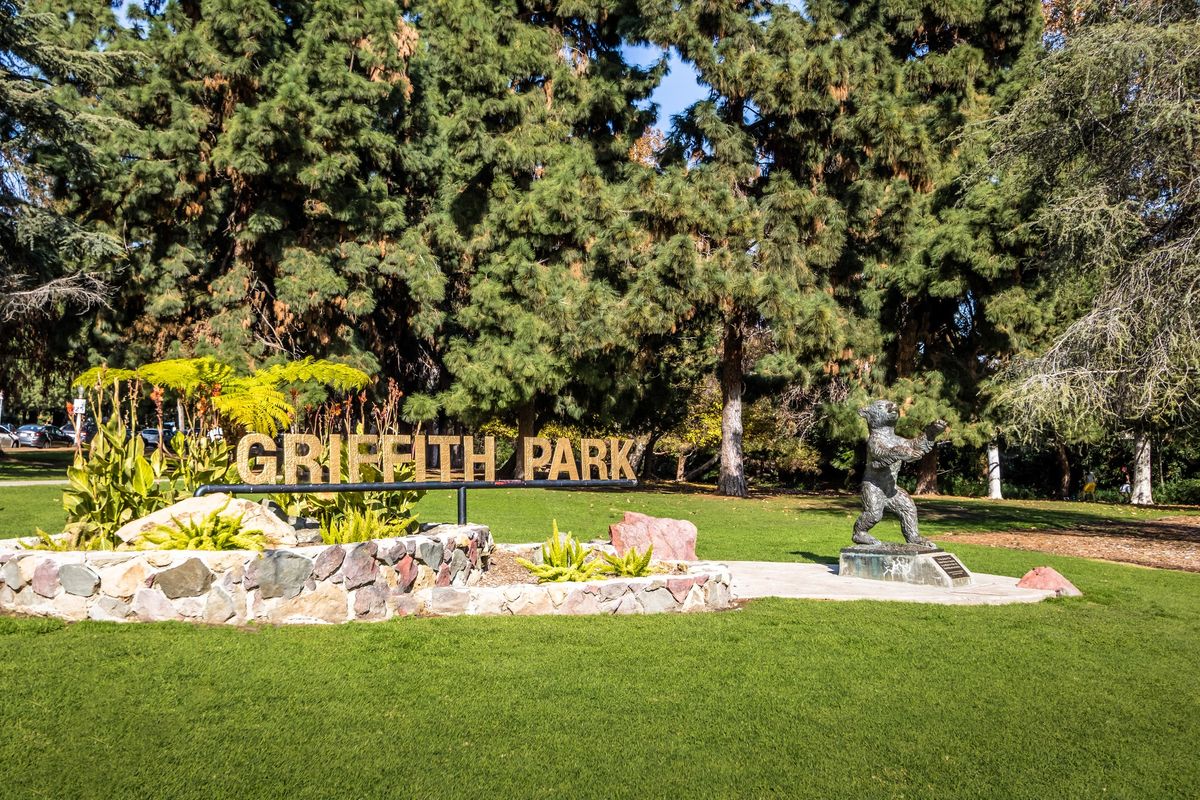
x,y
904,563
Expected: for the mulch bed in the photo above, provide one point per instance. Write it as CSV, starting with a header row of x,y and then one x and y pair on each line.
x,y
1168,543
503,570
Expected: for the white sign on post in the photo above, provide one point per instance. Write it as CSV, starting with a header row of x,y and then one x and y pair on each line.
x,y
80,405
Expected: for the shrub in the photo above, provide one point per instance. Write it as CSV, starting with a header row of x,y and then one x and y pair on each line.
x,y
631,565
338,513
212,532
563,559
1183,491
112,485
359,525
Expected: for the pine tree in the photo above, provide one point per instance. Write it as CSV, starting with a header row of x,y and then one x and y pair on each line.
x,y
271,184
791,180
964,292
539,115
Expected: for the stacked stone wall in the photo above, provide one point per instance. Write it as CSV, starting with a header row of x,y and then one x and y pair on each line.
x,y
435,573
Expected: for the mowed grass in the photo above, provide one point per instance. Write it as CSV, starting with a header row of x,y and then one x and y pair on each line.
x,y
1089,697
27,464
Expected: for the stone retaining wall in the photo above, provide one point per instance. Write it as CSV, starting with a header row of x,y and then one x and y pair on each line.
x,y
323,583
435,573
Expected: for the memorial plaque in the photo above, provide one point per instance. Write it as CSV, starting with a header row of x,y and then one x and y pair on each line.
x,y
951,566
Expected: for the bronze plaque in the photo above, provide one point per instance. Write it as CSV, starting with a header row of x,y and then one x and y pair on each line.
x,y
951,566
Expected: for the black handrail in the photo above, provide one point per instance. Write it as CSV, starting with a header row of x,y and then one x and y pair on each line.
x,y
460,487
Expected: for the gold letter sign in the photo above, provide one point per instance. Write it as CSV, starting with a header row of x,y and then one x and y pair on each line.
x,y
459,458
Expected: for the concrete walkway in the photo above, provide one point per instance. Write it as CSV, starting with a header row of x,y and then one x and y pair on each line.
x,y
752,579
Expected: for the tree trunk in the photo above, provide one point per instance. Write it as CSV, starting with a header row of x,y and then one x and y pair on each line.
x,y
1064,471
1141,470
179,415
681,467
993,461
732,481
525,428
696,472
927,476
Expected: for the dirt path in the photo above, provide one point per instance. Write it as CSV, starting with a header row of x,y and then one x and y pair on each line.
x,y
1169,543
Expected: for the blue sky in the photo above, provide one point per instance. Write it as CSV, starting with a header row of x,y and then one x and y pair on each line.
x,y
678,90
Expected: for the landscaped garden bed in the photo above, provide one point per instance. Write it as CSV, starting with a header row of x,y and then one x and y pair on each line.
x,y
439,572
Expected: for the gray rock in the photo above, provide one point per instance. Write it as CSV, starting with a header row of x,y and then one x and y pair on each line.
x,y
328,562
360,567
430,552
219,606
282,573
78,579
448,600
189,579
309,536
11,574
370,602
250,576
390,555
657,600
458,562
109,609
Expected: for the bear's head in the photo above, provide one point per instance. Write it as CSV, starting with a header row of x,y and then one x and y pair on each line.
x,y
879,414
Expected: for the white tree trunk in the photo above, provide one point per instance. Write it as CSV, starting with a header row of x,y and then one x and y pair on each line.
x,y
732,479
993,461
1141,470
179,414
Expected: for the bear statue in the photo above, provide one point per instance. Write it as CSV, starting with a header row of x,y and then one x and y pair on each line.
x,y
885,453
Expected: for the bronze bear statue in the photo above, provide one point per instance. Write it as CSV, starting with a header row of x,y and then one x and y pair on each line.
x,y
885,453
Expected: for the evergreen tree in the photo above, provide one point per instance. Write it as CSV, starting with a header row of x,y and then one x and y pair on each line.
x,y
51,265
539,113
963,294
795,177
272,183
1119,215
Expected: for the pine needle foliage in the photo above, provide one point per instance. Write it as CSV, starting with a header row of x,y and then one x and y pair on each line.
x,y
563,559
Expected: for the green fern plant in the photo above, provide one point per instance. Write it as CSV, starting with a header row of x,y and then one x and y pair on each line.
x,y
359,525
211,532
563,559
630,565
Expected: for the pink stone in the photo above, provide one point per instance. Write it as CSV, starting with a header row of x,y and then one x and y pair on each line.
x,y
679,587
443,576
45,578
673,539
406,569
1050,579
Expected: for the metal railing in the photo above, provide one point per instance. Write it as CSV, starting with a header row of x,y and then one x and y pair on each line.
x,y
460,487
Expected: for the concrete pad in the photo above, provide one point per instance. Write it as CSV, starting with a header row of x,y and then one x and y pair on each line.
x,y
753,579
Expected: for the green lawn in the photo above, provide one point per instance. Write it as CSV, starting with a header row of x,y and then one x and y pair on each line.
x,y
30,465
1093,697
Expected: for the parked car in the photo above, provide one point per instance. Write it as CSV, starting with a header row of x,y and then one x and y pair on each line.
x,y
33,436
59,436
150,435
8,437
87,432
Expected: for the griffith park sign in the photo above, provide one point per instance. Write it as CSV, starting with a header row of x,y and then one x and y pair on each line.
x,y
263,460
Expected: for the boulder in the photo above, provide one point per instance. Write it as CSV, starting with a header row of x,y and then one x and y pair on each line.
x,y
282,573
78,579
1050,579
673,539
254,517
189,579
360,567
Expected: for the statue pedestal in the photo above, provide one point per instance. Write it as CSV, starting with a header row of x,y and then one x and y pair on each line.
x,y
904,563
